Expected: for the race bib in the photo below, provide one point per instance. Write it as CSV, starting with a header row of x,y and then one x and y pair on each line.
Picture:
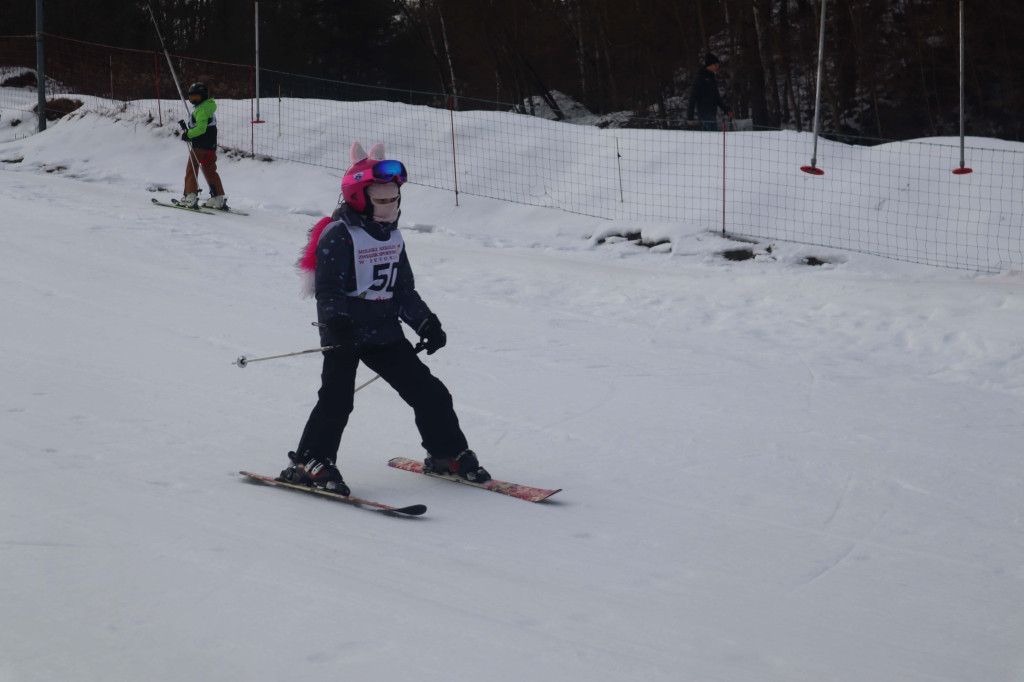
x,y
376,264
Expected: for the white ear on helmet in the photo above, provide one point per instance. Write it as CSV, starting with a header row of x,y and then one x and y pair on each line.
x,y
377,152
357,153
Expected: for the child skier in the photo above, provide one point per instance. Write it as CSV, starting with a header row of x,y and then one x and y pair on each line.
x,y
356,266
201,132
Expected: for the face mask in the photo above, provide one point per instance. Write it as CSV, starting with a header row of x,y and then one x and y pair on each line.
x,y
384,197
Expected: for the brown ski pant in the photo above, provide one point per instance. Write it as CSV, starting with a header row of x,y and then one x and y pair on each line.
x,y
206,159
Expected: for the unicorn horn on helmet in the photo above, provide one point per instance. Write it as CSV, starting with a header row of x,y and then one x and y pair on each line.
x,y
358,154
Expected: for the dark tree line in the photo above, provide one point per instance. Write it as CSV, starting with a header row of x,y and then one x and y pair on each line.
x,y
891,66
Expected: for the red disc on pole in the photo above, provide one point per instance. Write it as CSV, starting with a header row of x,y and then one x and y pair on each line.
x,y
962,171
812,170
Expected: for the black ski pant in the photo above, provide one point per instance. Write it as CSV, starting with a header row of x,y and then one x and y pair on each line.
x,y
399,366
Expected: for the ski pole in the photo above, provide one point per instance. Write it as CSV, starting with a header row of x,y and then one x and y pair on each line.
x,y
243,361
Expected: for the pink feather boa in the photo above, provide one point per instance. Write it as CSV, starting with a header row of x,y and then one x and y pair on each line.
x,y
307,263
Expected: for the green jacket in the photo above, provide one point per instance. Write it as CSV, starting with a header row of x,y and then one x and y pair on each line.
x,y
202,127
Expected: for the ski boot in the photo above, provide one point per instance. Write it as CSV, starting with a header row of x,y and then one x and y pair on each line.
x,y
190,200
464,465
218,202
315,473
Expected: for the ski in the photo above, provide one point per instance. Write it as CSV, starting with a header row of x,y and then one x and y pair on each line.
x,y
523,492
174,203
182,208
226,209
208,209
410,510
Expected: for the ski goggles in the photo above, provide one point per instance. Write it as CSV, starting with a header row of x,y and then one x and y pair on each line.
x,y
389,170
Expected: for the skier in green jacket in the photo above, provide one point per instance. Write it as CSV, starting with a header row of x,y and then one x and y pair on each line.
x,y
201,132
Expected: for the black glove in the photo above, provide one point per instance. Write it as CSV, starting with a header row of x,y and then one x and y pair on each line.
x,y
182,124
185,137
432,336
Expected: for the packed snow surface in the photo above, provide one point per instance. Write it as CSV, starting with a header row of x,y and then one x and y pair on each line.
x,y
771,472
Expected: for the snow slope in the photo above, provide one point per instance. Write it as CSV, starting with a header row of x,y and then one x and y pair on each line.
x,y
772,472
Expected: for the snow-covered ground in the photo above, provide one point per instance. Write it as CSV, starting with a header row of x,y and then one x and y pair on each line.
x,y
772,472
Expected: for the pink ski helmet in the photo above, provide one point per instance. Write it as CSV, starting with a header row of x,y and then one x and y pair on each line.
x,y
365,171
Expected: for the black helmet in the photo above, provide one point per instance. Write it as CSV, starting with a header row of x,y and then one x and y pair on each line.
x,y
198,89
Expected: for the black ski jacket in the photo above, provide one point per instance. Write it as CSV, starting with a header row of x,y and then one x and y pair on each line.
x,y
704,97
375,323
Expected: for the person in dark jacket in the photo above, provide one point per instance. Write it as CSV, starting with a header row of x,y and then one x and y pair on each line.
x,y
201,133
704,96
356,266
